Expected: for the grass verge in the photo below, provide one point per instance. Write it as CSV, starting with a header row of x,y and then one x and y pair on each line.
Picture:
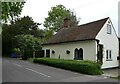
x,y
116,77
30,60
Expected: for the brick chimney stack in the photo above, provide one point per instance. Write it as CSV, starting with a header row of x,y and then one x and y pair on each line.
x,y
66,23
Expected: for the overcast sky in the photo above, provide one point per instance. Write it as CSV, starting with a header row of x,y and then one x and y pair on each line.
x,y
87,10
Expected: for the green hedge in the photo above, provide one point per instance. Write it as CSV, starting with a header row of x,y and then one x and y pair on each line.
x,y
86,67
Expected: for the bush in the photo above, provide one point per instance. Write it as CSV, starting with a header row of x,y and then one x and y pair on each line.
x,y
16,50
30,60
27,54
86,67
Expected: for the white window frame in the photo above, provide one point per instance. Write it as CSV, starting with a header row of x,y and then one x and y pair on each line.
x,y
109,29
108,55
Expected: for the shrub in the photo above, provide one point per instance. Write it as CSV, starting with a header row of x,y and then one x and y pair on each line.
x,y
16,50
30,59
86,67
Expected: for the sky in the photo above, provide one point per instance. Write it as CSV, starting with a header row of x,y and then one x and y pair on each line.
x,y
86,10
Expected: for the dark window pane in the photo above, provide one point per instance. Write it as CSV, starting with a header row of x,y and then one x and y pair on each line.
x,y
107,54
108,29
110,54
48,53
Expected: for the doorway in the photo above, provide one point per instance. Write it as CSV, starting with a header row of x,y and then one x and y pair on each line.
x,y
100,54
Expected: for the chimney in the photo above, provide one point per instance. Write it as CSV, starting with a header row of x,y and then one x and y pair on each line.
x,y
66,23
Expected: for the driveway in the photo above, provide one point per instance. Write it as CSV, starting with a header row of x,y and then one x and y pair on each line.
x,y
112,72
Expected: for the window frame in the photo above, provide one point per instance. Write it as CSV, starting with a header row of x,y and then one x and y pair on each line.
x,y
108,55
109,29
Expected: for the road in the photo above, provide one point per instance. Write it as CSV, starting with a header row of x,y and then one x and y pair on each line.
x,y
15,70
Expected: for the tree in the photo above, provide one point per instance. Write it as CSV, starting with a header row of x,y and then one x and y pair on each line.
x,y
6,39
56,16
39,33
11,9
24,25
48,34
28,43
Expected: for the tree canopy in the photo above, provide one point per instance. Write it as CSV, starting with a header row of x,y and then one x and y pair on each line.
x,y
28,43
56,16
24,25
11,9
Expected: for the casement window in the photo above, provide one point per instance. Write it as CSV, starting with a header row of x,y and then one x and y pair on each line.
x,y
109,30
108,55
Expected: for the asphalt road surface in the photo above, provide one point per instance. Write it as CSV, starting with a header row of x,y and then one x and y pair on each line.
x,y
15,70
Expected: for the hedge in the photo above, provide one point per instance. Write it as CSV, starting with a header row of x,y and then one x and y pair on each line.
x,y
86,67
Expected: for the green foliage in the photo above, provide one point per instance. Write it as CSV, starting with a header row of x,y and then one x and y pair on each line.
x,y
28,43
55,19
0,29
86,67
11,9
48,34
116,77
30,60
24,25
16,50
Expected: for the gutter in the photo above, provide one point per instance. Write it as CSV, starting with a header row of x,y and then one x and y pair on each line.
x,y
68,41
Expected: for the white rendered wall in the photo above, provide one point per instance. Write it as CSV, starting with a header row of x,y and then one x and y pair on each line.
x,y
89,49
110,42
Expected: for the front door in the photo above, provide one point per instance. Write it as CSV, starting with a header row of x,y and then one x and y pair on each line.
x,y
100,54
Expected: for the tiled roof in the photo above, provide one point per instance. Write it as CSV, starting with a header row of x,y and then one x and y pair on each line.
x,y
83,32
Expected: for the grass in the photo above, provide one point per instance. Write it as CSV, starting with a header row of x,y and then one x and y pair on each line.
x,y
30,60
116,77
86,67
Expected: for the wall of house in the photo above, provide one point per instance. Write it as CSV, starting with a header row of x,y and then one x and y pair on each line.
x,y
110,42
89,50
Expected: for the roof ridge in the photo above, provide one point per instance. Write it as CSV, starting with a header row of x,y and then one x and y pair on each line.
x,y
85,32
93,21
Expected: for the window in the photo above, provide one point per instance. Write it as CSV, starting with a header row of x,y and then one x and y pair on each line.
x,y
78,54
109,29
48,53
108,55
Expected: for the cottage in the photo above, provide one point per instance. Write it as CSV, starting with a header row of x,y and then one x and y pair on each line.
x,y
95,41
